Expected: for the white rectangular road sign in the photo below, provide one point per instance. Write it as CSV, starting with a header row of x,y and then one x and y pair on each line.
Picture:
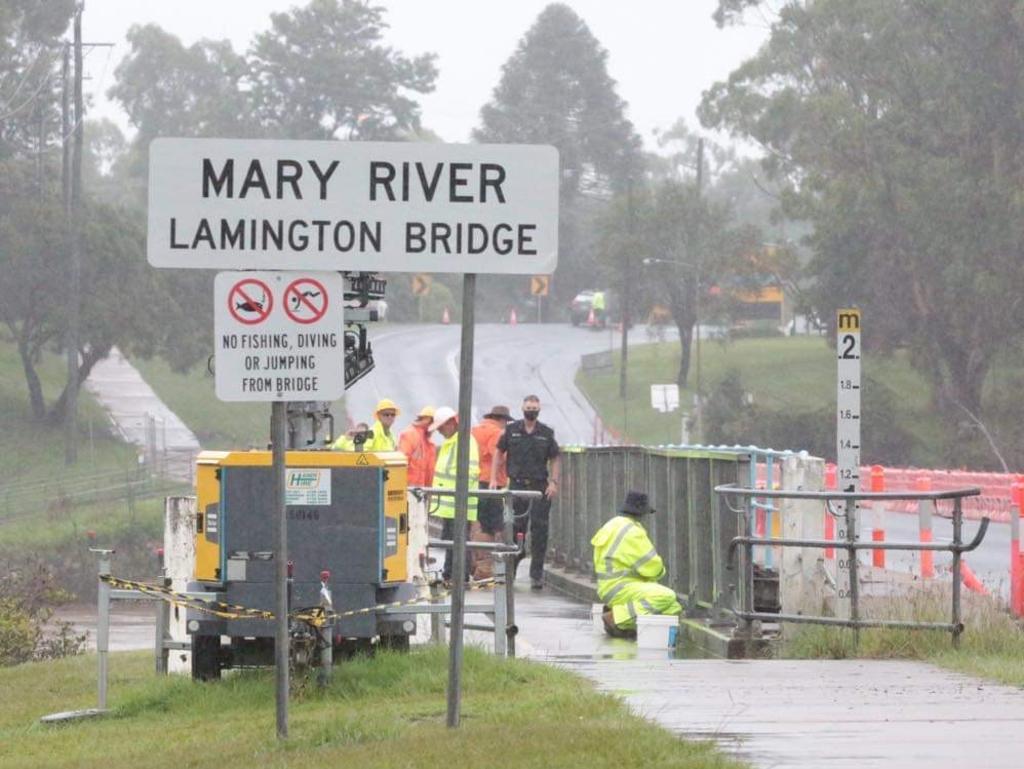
x,y
369,206
278,336
665,397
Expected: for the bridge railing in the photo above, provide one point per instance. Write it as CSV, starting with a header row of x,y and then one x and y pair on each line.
x,y
745,543
692,528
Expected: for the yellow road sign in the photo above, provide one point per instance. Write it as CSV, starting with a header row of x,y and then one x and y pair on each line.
x,y
848,320
421,284
539,285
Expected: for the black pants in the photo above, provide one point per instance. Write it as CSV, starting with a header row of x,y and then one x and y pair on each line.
x,y
537,521
489,513
448,532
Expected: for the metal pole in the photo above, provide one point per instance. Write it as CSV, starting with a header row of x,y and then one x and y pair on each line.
x,y
163,622
699,385
957,533
624,299
436,620
326,636
278,433
103,627
75,272
510,603
500,608
461,502
851,556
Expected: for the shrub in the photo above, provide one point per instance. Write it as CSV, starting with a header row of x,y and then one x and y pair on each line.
x,y
28,598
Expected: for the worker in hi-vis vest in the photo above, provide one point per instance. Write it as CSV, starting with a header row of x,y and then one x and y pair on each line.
x,y
628,569
597,303
381,435
446,423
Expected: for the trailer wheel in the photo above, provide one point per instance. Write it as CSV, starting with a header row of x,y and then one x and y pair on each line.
x,y
206,658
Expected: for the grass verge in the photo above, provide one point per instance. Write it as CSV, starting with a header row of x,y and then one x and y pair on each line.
x,y
794,374
992,645
385,711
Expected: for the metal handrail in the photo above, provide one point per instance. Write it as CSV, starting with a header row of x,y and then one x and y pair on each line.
x,y
957,547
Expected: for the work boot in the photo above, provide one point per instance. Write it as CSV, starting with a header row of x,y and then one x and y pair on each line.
x,y
536,584
614,630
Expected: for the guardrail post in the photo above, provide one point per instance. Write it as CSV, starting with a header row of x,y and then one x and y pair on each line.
x,y
500,607
163,621
957,527
102,624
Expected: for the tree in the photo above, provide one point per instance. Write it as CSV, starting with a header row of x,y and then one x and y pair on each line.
x,y
894,126
30,57
126,306
687,242
321,72
555,89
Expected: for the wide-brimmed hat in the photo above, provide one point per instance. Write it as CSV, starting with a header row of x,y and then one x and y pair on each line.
x,y
442,415
499,412
636,503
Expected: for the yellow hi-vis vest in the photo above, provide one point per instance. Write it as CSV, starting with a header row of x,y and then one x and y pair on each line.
x,y
598,301
444,477
623,553
378,441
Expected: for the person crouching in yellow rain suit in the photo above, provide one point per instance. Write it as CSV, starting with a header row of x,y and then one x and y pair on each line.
x,y
628,569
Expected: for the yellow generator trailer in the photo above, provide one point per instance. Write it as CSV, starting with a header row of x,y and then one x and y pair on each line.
x,y
347,524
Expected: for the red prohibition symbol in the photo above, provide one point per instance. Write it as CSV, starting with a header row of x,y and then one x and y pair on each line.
x,y
305,300
250,301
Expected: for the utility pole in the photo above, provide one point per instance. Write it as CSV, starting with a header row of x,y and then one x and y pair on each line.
x,y
697,292
626,289
73,129
73,192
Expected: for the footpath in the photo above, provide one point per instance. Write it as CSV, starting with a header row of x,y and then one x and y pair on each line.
x,y
142,419
788,713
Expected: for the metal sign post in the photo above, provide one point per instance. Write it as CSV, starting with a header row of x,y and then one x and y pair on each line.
x,y
461,502
847,451
278,436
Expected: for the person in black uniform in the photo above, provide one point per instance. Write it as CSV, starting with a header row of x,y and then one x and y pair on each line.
x,y
530,453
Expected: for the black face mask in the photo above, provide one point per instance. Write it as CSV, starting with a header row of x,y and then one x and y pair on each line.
x,y
530,414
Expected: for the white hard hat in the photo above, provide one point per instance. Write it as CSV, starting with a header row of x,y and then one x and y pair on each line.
x,y
442,415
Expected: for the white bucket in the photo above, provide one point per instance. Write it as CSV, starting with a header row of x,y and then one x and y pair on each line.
x,y
596,612
656,631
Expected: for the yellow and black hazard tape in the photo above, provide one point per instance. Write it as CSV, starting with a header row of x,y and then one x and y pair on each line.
x,y
315,616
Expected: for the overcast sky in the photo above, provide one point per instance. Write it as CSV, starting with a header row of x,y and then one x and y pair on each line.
x,y
662,53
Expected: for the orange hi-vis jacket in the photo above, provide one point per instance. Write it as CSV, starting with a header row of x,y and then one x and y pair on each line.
x,y
487,434
415,443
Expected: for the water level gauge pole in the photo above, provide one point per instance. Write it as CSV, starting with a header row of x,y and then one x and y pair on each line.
x,y
848,421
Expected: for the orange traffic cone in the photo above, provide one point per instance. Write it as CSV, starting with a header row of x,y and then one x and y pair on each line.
x,y
446,318
590,318
512,319
971,581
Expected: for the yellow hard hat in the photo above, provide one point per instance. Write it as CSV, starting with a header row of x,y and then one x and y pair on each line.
x,y
386,403
426,412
